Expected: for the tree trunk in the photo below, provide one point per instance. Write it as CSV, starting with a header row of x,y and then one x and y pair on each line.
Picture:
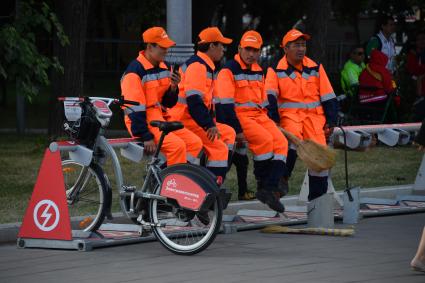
x,y
317,26
73,16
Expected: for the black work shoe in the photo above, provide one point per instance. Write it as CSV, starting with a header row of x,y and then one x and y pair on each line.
x,y
203,217
261,196
271,200
282,187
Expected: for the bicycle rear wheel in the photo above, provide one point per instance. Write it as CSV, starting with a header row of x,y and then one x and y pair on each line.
x,y
183,231
86,192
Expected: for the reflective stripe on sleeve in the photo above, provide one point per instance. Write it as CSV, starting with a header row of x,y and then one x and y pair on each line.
x,y
135,108
192,160
253,77
226,100
279,157
181,100
157,76
262,157
212,163
191,92
327,96
293,105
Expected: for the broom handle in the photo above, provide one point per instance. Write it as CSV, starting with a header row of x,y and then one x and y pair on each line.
x,y
293,138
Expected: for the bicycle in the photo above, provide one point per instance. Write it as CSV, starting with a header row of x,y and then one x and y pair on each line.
x,y
182,204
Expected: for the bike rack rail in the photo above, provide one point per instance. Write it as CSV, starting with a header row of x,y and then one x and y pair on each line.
x,y
118,234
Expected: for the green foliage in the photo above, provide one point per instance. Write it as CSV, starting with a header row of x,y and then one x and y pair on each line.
x,y
20,58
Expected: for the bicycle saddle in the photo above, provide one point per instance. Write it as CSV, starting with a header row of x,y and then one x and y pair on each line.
x,y
167,126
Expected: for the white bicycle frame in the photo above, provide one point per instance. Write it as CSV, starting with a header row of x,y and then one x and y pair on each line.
x,y
84,156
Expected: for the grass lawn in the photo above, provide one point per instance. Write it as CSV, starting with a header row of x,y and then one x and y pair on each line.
x,y
20,158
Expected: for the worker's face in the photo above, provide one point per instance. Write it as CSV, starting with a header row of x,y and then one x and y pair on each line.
x,y
249,55
217,51
388,28
156,52
358,55
295,50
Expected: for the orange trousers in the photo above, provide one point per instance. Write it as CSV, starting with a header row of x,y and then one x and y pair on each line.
x,y
264,138
178,146
217,150
309,128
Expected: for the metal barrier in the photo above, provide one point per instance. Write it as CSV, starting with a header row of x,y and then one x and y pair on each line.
x,y
361,137
389,134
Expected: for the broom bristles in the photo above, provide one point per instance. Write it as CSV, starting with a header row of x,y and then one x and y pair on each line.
x,y
316,157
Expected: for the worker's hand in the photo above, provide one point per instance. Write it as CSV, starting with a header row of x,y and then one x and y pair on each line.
x,y
328,131
174,80
149,146
240,139
213,133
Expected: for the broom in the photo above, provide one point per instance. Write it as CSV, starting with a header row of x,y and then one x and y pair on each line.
x,y
315,156
311,231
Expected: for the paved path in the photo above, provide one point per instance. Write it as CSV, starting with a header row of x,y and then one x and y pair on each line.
x,y
379,252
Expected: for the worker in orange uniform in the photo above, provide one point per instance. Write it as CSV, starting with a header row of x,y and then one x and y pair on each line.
x,y
240,91
148,80
302,101
195,107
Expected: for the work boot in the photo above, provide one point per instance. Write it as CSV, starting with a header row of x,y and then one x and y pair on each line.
x,y
248,195
271,200
282,187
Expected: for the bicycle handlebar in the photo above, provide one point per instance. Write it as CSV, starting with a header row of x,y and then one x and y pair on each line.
x,y
130,102
120,101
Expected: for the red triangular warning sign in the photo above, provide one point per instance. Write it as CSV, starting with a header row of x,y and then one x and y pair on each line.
x,y
47,215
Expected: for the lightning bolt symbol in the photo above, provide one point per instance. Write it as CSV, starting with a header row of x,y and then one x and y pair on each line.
x,y
46,215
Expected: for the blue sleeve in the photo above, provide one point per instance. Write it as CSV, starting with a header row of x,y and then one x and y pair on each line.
x,y
199,112
139,127
170,98
226,114
272,108
331,111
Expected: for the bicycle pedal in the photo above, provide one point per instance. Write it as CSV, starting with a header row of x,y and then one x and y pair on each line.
x,y
129,189
149,224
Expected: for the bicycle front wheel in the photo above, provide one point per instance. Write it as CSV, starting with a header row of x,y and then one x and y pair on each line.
x,y
86,191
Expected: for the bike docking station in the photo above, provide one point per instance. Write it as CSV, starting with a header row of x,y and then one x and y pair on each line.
x,y
348,206
47,223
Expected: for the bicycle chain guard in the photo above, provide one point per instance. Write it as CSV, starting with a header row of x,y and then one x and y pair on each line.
x,y
188,193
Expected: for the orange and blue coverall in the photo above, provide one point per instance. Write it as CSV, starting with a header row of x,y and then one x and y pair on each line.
x,y
302,101
195,109
150,86
242,100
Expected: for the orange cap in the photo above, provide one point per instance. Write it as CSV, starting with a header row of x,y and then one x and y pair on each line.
x,y
213,34
252,39
159,36
293,35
